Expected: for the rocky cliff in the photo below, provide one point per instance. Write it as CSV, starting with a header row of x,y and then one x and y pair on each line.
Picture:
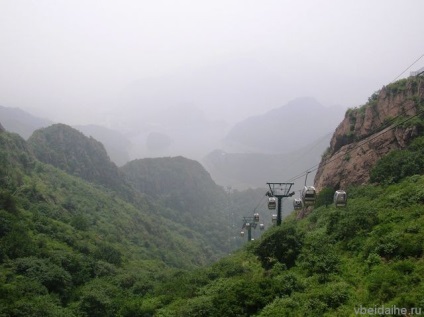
x,y
389,120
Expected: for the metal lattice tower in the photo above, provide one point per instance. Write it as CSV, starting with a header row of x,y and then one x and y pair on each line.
x,y
279,190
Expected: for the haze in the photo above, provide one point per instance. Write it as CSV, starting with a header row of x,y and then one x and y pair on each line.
x,y
131,63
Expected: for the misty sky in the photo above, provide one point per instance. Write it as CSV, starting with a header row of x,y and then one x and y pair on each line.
x,y
78,61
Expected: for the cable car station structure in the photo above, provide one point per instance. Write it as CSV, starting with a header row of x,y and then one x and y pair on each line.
x,y
279,191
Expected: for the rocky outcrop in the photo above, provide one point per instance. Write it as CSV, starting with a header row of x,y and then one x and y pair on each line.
x,y
369,132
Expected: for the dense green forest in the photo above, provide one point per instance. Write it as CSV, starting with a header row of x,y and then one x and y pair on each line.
x,y
151,241
71,245
335,262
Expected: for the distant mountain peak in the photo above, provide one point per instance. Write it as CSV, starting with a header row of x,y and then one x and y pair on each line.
x,y
18,121
286,128
70,150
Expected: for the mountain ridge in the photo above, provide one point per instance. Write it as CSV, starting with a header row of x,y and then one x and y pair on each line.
x,y
368,133
283,129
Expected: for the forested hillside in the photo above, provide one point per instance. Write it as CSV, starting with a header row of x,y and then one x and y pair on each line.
x,y
72,249
69,247
73,152
81,237
335,262
187,192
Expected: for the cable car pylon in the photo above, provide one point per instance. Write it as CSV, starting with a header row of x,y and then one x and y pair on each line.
x,y
279,191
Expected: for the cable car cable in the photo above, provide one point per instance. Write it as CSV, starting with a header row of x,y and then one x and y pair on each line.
x,y
259,203
408,68
315,167
385,125
379,128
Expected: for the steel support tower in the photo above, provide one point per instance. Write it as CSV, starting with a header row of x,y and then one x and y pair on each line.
x,y
279,190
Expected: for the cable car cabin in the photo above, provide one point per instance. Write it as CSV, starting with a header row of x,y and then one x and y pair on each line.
x,y
309,195
340,198
272,203
256,217
242,234
261,226
274,218
297,204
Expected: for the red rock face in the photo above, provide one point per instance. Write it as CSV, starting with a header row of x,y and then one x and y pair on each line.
x,y
367,133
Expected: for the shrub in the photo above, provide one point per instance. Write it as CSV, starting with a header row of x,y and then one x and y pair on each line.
x,y
397,165
324,197
283,246
319,256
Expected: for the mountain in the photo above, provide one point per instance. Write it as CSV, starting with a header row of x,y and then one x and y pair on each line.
x,y
364,259
24,123
169,176
116,144
244,170
195,108
284,129
71,151
186,191
335,261
182,129
220,89
389,121
70,246
21,122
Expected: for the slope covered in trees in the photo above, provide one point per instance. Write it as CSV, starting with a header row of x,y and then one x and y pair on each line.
x,y
187,193
69,247
335,262
81,237
71,151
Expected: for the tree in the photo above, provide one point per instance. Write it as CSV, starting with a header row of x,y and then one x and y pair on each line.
x,y
282,246
324,197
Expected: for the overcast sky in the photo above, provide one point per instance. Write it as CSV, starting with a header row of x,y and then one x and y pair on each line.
x,y
77,60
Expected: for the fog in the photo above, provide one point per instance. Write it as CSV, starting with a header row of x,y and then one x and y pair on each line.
x,y
142,66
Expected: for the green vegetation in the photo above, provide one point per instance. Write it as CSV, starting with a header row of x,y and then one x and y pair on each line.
x,y
328,264
400,163
397,88
326,153
325,197
75,247
74,153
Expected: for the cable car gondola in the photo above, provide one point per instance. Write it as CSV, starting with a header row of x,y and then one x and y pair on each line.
x,y
309,195
256,217
297,204
340,198
261,226
272,203
274,218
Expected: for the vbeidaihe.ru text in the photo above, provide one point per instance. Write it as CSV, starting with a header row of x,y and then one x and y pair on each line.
x,y
388,310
